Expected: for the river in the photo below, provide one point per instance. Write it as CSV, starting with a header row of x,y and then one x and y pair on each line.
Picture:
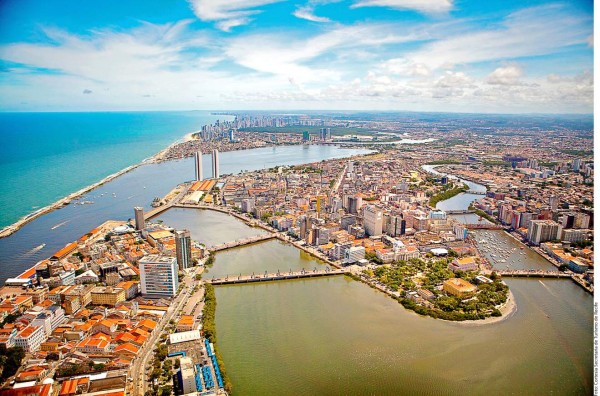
x,y
115,200
337,336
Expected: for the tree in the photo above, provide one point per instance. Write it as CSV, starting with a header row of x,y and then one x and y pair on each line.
x,y
12,358
52,356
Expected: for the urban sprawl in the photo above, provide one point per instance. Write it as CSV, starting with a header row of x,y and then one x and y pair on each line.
x,y
125,310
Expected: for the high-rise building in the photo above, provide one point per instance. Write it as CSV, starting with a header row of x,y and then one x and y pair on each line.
x,y
373,220
232,135
139,218
158,275
568,220
305,136
541,231
183,248
198,164
215,164
353,203
325,133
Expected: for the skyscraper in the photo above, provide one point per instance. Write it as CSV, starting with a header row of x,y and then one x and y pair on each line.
x,y
183,248
215,164
139,218
373,220
325,133
198,163
158,275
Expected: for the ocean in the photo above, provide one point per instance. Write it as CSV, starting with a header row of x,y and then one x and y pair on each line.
x,y
46,156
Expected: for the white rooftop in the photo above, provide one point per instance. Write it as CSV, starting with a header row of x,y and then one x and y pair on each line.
x,y
184,336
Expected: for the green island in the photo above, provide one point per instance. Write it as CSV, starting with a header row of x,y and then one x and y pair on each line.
x,y
426,287
210,331
481,213
447,193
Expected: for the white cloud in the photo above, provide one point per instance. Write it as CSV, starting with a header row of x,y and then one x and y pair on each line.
x,y
530,32
300,58
405,67
307,12
425,6
228,13
506,75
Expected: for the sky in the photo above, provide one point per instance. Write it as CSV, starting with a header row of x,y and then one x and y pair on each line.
x,y
492,56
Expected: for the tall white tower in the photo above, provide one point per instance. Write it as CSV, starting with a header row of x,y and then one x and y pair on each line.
x,y
198,164
215,164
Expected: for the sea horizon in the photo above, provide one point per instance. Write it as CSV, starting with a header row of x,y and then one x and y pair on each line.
x,y
41,155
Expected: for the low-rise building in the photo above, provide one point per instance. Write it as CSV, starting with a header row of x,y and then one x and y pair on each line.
x,y
110,296
468,263
459,287
30,338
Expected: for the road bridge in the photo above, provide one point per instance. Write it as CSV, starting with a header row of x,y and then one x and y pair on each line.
x,y
483,226
532,274
268,277
466,211
241,242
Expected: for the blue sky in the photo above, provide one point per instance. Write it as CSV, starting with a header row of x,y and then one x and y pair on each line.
x,y
422,55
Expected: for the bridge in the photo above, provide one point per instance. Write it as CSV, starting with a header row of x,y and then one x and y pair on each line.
x,y
157,210
532,274
483,226
267,277
241,242
466,211
475,192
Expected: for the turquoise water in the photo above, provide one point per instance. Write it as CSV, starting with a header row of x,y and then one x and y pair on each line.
x,y
46,156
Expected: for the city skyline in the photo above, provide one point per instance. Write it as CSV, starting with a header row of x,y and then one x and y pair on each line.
x,y
392,55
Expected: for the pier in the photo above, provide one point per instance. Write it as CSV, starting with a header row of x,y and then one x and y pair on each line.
x,y
241,242
268,277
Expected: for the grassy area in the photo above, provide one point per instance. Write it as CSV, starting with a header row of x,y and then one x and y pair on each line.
x,y
210,331
444,162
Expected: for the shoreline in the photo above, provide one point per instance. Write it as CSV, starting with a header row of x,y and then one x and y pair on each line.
x,y
154,159
17,225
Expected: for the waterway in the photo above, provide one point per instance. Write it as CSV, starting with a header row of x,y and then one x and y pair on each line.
x,y
115,200
208,226
337,336
462,200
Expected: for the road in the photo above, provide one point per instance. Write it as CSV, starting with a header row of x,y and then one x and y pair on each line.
x,y
137,372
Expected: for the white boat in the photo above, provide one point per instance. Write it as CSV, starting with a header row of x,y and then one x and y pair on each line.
x,y
59,225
